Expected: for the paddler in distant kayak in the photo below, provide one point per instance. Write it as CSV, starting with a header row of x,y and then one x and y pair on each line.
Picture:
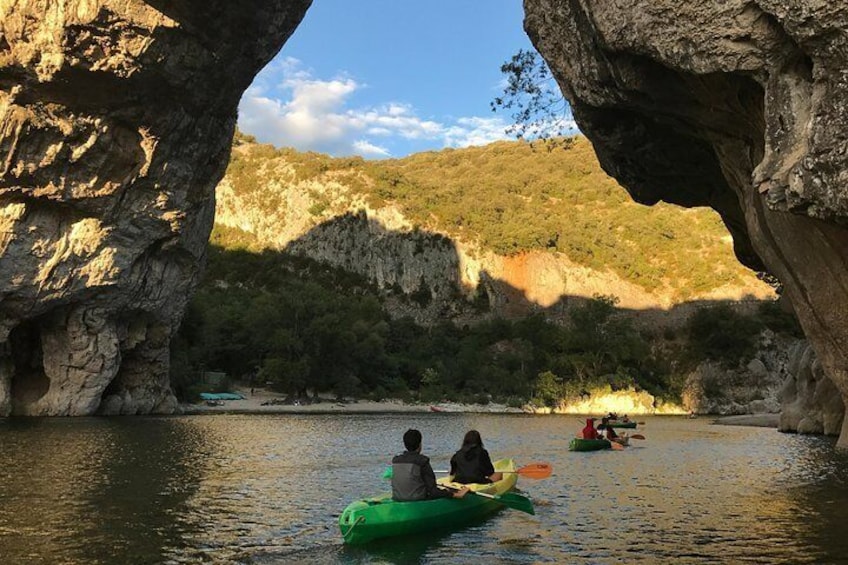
x,y
589,432
472,464
413,477
611,433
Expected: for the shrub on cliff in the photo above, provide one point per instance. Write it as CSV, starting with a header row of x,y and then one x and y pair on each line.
x,y
721,334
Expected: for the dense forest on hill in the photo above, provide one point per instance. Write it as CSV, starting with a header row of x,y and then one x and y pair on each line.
x,y
295,324
512,197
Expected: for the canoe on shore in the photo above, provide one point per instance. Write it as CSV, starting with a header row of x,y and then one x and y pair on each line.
x,y
381,517
580,444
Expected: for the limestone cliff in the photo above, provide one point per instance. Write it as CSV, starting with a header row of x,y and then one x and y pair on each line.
x,y
115,126
737,105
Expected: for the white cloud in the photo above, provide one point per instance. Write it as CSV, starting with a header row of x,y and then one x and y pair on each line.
x,y
287,106
475,131
368,149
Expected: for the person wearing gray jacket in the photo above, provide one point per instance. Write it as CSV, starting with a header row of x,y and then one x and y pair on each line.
x,y
413,477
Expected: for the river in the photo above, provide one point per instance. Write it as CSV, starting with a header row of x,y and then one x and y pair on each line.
x,y
269,489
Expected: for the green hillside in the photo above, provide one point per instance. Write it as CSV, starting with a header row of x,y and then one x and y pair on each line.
x,y
511,198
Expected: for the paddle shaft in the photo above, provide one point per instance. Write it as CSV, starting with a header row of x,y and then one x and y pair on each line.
x,y
531,471
509,499
446,472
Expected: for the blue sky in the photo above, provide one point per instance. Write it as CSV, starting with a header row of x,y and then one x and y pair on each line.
x,y
385,78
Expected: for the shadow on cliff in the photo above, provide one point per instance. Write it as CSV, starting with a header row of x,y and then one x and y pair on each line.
x,y
427,269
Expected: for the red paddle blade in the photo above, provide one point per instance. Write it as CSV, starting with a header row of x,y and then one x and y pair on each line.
x,y
536,470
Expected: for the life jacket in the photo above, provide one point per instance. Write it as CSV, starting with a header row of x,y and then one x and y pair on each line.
x,y
413,478
589,432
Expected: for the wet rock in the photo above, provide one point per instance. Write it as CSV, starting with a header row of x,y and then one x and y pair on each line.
x,y
810,401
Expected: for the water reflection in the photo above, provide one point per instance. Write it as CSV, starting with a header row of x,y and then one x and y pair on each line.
x,y
96,490
268,489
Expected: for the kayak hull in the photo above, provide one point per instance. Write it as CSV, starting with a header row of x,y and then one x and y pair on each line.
x,y
628,425
381,517
580,444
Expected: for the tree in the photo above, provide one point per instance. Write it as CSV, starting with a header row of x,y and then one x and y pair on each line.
x,y
539,110
548,389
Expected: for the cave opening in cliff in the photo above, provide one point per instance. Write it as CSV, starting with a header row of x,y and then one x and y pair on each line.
x,y
28,382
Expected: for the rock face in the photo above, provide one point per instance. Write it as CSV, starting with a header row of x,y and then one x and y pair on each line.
x,y
739,105
810,401
115,125
754,386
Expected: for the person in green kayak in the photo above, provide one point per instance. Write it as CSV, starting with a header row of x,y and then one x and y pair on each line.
x,y
589,432
607,427
413,477
472,464
611,433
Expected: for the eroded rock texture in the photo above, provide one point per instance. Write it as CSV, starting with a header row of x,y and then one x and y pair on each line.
x,y
738,105
115,125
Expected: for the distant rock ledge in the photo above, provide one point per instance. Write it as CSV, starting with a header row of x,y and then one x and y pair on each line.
x,y
758,420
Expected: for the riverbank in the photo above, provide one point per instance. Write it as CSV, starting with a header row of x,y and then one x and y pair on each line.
x,y
262,401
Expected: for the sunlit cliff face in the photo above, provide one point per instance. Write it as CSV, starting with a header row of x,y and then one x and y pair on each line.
x,y
739,106
115,126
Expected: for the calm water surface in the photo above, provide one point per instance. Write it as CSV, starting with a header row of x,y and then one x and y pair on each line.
x,y
268,489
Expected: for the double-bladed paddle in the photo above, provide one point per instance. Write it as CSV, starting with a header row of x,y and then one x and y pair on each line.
x,y
530,471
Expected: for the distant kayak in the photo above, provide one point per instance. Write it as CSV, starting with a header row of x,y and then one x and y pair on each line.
x,y
381,517
437,409
631,425
580,444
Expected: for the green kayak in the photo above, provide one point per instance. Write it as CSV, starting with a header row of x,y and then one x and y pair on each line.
x,y
381,517
630,425
580,444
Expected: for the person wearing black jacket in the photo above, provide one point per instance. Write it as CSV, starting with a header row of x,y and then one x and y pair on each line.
x,y
413,477
472,464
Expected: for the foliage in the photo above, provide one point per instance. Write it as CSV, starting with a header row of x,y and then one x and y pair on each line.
x,y
779,320
721,334
511,199
538,108
298,325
